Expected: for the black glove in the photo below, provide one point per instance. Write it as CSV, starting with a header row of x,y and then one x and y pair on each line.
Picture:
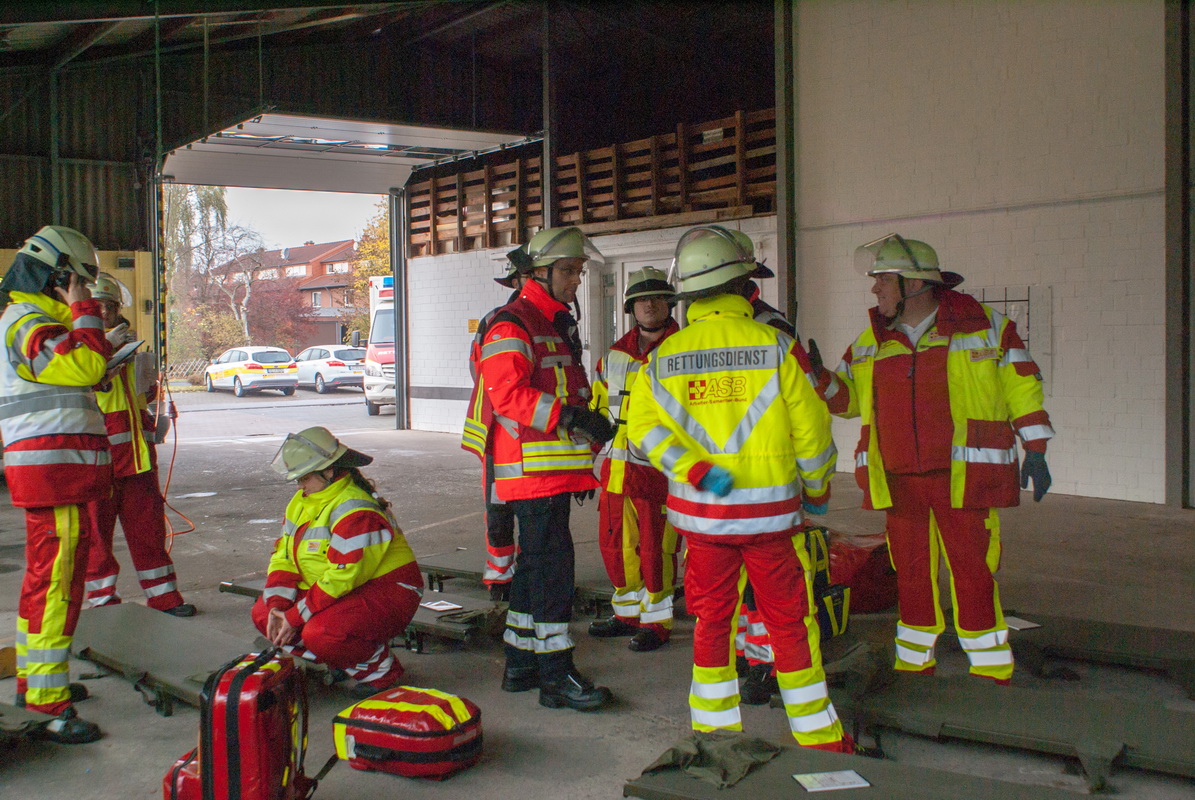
x,y
587,424
582,496
815,358
1035,467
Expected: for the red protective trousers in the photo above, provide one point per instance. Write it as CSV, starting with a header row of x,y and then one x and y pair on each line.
x,y
137,502
354,633
57,540
922,527
638,547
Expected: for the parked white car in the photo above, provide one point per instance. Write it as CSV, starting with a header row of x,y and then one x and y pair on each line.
x,y
330,366
248,369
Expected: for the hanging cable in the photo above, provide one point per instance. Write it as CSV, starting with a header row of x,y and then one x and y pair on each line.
x,y
171,414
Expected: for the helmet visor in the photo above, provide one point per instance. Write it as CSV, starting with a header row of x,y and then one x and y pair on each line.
x,y
567,243
299,456
866,256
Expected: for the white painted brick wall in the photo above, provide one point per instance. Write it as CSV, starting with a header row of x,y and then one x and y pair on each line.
x,y
1025,142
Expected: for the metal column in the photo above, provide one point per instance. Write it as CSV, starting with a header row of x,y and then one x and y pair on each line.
x,y
400,230
1180,280
786,161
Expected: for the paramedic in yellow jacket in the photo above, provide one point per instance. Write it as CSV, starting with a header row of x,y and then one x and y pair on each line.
x,y
944,386
726,410
342,581
637,542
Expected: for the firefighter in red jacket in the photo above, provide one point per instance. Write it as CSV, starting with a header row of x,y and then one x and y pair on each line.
x,y
342,580
136,498
638,543
944,386
533,377
477,437
726,409
55,456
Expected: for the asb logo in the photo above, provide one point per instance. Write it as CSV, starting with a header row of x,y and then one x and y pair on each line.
x,y
717,390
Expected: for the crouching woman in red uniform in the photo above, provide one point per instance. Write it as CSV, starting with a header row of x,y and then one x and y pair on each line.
x,y
342,581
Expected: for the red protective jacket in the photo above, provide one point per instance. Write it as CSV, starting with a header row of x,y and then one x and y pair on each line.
x,y
530,370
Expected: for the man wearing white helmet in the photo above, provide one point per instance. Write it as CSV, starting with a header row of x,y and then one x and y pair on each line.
x,y
533,376
726,410
55,455
638,544
136,497
944,386
477,437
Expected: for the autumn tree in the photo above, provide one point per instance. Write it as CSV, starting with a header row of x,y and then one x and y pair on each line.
x,y
372,259
279,316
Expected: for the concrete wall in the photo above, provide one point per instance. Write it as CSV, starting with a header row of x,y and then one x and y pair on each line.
x,y
1025,142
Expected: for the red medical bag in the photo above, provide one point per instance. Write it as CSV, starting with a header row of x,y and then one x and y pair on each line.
x,y
252,735
419,733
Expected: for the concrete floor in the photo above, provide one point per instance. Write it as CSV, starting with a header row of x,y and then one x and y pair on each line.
x,y
1104,560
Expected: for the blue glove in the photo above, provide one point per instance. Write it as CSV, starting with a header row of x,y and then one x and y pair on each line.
x,y
1034,466
717,480
819,509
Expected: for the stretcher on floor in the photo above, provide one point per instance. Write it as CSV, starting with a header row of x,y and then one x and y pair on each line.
x,y
1169,651
165,657
18,722
1101,730
889,781
444,624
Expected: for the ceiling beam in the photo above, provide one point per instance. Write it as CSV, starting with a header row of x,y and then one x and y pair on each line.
x,y
98,11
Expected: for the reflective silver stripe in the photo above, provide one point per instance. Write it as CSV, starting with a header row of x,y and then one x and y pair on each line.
x,y
160,589
804,694
813,722
863,351
509,425
984,455
100,583
151,574
759,652
418,590
913,636
544,630
120,438
820,460
861,459
504,471
519,619
976,341
714,691
554,362
914,657
1029,433
768,395
765,356
552,644
733,527
48,655
24,458
546,464
654,438
304,611
832,387
318,532
1015,355
547,340
53,680
815,483
342,510
661,614
715,719
89,321
360,541
285,592
511,345
984,641
48,400
543,412
990,658
289,527
737,497
671,456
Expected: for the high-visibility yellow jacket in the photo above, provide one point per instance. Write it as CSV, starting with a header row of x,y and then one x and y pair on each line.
x,y
731,392
962,396
55,447
129,424
333,541
627,469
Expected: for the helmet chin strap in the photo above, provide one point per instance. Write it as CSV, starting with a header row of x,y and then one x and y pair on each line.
x,y
646,329
900,307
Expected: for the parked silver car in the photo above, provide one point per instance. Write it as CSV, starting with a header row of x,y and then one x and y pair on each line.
x,y
330,366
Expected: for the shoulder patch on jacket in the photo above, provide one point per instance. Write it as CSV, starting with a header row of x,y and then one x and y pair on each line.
x,y
984,353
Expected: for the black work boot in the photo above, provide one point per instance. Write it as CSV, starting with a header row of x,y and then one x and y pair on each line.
x,y
645,640
500,592
574,691
522,670
181,610
760,685
610,627
67,728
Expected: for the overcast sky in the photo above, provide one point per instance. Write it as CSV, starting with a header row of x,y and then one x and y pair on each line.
x,y
288,219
